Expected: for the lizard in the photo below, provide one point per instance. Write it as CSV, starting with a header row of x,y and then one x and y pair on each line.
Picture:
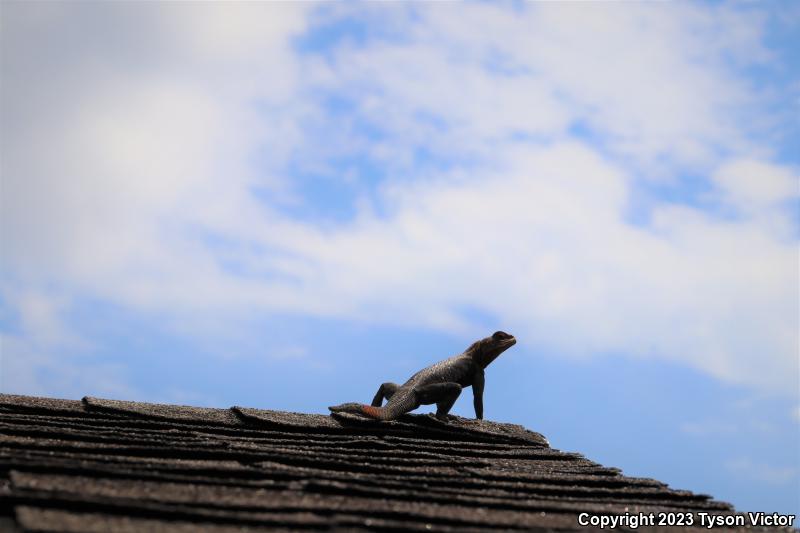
x,y
440,383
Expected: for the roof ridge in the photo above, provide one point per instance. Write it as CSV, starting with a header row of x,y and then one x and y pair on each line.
x,y
98,464
457,428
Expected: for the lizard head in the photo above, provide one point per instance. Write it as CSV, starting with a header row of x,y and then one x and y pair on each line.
x,y
486,350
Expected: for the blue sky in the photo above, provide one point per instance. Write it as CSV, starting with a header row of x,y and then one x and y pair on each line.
x,y
284,205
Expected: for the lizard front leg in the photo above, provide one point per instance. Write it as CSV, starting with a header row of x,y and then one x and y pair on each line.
x,y
444,395
386,390
477,391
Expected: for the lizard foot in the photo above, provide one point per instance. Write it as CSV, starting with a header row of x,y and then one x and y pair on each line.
x,y
445,417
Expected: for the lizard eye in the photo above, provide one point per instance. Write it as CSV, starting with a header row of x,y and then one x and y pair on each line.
x,y
500,335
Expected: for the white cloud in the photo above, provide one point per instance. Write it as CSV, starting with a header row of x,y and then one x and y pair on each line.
x,y
28,368
650,79
40,316
774,475
754,186
128,173
543,246
105,174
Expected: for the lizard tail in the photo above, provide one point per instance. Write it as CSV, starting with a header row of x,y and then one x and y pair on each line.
x,y
377,413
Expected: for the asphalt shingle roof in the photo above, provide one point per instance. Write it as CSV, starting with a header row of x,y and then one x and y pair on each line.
x,y
107,465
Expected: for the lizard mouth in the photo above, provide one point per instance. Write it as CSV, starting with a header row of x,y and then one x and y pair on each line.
x,y
493,346
503,345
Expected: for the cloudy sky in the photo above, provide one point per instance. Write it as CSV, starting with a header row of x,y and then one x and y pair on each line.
x,y
284,205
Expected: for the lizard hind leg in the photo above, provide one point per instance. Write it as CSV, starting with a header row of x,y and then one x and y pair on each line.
x,y
444,395
386,390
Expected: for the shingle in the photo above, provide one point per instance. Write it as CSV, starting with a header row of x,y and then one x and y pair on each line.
x,y
38,519
102,465
163,411
243,503
467,429
283,420
43,519
36,404
496,430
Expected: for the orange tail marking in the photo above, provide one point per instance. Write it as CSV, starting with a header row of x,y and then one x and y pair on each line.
x,y
370,411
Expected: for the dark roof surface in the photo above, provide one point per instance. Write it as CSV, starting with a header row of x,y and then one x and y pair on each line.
x,y
106,465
